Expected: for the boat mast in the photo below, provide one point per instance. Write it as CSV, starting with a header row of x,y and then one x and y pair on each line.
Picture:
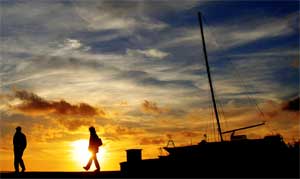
x,y
209,78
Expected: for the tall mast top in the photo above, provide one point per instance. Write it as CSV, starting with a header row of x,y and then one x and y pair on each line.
x,y
209,77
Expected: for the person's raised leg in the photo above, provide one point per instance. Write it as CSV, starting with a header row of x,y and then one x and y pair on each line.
x,y
87,167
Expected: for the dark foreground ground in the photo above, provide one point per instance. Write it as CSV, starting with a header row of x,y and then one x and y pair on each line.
x,y
104,174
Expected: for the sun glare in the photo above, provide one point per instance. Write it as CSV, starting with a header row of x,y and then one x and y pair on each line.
x,y
81,153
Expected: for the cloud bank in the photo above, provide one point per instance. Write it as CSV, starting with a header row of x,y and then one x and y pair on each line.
x,y
33,104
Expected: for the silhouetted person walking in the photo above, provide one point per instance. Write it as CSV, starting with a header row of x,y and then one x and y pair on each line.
x,y
20,143
94,143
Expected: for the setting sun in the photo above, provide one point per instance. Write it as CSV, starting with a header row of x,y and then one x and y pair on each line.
x,y
81,153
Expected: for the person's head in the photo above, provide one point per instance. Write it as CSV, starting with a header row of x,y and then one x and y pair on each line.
x,y
18,129
92,130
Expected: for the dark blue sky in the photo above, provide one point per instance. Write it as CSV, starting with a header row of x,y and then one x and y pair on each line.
x,y
160,38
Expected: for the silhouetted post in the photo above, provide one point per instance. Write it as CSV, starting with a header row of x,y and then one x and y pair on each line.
x,y
209,77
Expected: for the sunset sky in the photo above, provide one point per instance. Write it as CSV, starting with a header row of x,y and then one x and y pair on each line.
x,y
135,71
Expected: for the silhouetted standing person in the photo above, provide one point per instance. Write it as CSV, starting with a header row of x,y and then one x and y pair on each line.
x,y
94,144
20,143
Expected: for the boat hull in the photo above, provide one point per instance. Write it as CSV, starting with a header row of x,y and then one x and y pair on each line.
x,y
269,157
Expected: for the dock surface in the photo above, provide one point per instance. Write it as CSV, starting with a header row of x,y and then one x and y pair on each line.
x,y
104,174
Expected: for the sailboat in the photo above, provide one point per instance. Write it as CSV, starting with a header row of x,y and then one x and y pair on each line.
x,y
237,157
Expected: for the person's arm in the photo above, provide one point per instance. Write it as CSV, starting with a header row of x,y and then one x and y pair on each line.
x,y
90,143
14,140
25,142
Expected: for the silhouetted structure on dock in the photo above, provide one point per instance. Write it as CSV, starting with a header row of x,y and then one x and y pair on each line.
x,y
239,157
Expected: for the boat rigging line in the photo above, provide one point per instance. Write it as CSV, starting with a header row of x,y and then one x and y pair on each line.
x,y
238,75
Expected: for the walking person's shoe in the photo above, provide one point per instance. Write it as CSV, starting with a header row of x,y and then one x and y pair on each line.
x,y
97,170
86,168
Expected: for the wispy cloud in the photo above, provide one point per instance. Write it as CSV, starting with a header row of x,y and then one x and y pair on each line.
x,y
264,28
237,34
151,53
108,15
152,108
69,46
